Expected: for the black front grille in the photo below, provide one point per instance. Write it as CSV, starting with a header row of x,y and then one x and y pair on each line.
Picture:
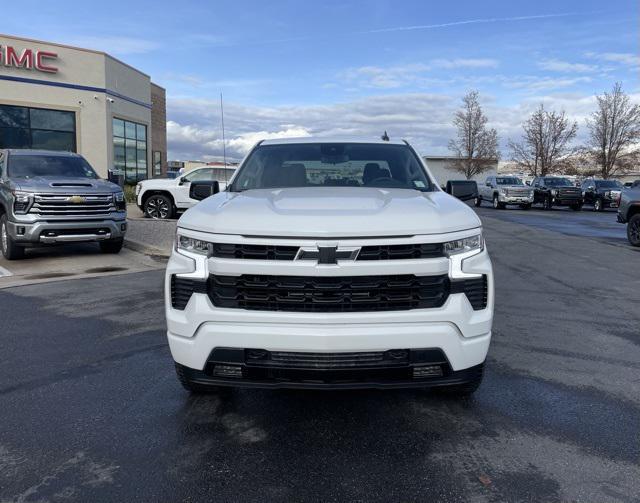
x,y
277,252
328,294
182,288
73,232
399,252
256,252
334,360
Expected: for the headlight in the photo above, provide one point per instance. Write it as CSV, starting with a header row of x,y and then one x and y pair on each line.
x,y
531,193
192,245
503,191
118,199
554,192
21,201
464,245
138,188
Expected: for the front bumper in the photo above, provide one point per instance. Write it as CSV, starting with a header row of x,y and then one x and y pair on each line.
x,y
515,199
556,201
421,368
65,231
460,332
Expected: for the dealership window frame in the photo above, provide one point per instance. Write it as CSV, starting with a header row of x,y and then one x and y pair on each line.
x,y
157,162
26,130
134,160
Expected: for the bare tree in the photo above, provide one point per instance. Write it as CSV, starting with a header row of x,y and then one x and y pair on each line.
x,y
476,146
545,141
613,128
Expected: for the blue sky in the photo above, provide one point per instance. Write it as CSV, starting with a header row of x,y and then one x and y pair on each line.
x,y
351,67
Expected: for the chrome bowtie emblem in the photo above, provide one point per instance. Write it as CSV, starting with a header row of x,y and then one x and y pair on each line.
x,y
328,254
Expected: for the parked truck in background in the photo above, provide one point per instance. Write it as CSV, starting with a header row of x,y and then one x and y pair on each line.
x,y
629,213
503,190
50,197
163,198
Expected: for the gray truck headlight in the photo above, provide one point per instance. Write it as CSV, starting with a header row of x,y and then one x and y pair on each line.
x,y
192,245
464,245
118,199
21,201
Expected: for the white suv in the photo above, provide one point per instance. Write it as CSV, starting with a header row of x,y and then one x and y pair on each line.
x,y
330,264
162,198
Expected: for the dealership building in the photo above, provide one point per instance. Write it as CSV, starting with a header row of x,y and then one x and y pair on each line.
x,y
58,97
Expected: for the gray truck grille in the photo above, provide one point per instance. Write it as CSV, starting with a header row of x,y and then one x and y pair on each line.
x,y
72,204
517,192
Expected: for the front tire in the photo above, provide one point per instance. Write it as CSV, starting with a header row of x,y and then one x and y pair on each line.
x,y
633,230
477,202
547,204
158,207
10,249
112,246
497,205
597,205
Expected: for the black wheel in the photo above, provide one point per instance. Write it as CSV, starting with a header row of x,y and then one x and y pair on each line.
x,y
10,250
111,245
460,390
497,205
159,207
187,383
477,201
576,207
525,206
597,205
633,230
547,204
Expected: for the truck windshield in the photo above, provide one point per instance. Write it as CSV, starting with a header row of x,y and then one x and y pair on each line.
x,y
608,184
508,180
557,182
30,166
332,165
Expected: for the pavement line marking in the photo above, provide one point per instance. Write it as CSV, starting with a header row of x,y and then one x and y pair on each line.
x,y
5,272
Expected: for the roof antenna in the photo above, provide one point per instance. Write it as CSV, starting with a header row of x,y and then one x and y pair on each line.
x,y
224,143
385,137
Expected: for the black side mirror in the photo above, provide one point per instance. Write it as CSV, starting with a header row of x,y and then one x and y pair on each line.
x,y
204,189
462,189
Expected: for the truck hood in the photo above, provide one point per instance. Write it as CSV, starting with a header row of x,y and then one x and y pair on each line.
x,y
159,183
64,185
330,212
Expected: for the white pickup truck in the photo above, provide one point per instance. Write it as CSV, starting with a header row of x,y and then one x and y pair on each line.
x,y
329,264
162,198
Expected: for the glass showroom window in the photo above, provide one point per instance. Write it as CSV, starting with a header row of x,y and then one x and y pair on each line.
x,y
130,149
24,127
157,162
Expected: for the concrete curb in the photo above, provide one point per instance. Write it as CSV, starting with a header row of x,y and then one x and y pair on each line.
x,y
146,249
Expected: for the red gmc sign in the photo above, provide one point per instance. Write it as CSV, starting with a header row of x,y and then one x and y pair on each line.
x,y
27,59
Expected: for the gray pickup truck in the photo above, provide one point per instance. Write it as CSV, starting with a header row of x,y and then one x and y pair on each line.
x,y
503,190
49,197
629,213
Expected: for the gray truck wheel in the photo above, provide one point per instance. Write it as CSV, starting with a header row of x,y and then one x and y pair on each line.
x,y
633,230
10,250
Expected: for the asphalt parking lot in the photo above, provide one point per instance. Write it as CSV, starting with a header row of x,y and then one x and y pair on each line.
x,y
92,410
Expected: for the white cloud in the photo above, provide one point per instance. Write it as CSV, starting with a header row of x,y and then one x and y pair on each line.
x,y
423,119
556,65
115,45
625,58
465,63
